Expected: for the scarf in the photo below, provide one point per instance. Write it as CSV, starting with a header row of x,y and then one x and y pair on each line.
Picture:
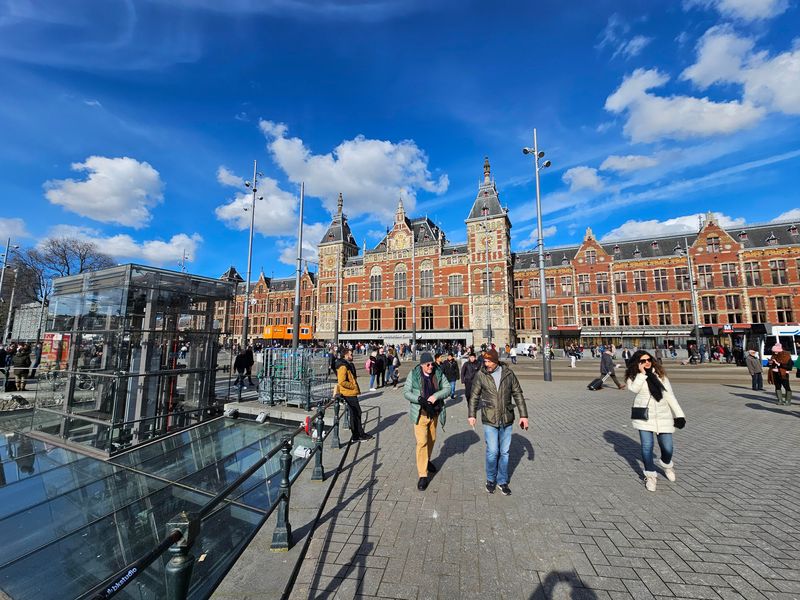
x,y
654,384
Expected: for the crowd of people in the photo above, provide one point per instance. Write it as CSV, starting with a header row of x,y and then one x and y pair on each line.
x,y
18,364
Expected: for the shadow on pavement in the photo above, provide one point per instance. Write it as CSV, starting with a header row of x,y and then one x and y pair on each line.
x,y
627,448
387,422
520,447
780,411
769,399
562,579
457,444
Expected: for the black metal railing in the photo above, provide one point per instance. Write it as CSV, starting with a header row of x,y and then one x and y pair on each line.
x,y
184,528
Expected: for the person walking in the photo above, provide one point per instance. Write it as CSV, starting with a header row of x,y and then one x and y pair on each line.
x,y
755,368
468,371
656,412
380,368
450,370
240,366
495,386
347,387
607,366
779,365
573,354
371,369
21,363
512,354
425,390
249,362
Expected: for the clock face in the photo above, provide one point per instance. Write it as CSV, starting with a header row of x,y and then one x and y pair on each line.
x,y
329,262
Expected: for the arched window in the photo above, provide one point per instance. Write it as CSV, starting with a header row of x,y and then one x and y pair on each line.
x,y
400,282
375,283
426,280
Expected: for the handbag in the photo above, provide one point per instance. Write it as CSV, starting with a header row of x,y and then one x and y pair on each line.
x,y
639,413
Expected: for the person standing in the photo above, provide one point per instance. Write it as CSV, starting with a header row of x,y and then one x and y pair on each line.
x,y
450,370
655,412
36,359
240,366
495,386
755,368
371,369
780,363
347,384
380,368
249,362
468,371
21,363
425,390
607,366
512,354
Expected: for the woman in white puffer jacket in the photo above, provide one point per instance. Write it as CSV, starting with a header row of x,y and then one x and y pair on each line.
x,y
646,378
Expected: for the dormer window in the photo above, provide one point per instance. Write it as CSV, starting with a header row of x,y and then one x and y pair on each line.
x,y
637,253
330,236
772,240
590,256
792,230
712,243
564,260
617,249
547,256
742,236
678,249
654,245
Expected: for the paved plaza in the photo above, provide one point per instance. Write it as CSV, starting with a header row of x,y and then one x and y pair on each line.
x,y
580,523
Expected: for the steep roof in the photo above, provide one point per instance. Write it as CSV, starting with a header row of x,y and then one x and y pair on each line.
x,y
487,197
425,231
339,229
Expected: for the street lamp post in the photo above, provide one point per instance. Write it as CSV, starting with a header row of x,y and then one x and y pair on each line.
x,y
537,156
7,330
487,280
252,209
9,247
413,292
298,274
693,293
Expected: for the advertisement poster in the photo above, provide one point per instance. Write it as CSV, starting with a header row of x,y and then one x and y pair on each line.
x,y
55,348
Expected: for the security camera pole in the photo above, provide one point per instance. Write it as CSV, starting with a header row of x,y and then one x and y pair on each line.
x,y
537,155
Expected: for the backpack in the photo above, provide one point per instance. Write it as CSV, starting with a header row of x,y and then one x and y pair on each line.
x,y
396,362
368,364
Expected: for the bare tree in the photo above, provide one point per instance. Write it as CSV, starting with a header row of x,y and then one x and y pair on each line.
x,y
58,257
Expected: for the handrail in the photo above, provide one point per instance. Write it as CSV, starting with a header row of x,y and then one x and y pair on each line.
x,y
185,527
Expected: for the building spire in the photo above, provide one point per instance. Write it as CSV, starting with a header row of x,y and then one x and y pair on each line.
x,y
400,213
487,170
339,204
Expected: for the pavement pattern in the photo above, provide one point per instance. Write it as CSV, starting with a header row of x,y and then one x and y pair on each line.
x,y
579,524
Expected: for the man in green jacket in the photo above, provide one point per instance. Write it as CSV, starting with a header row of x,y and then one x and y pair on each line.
x,y
426,391
494,386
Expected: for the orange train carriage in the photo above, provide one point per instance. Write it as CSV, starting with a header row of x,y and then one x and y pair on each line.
x,y
284,332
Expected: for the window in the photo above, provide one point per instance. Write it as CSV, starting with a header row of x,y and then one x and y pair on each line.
x,y
427,317
486,276
586,314
640,281
534,287
550,285
643,313
664,311
551,319
375,283
519,318
624,314
457,316
455,285
400,283
329,294
602,283
583,284
568,311
758,310
772,240
783,305
426,281
375,319
352,320
604,313
518,288
709,307
705,278
743,236
777,269
566,284
729,276
798,268
591,257
536,322
660,280
400,318
733,305
682,278
752,273
621,282
352,293
685,312
712,243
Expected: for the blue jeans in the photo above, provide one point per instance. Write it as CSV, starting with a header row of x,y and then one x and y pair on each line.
x,y
498,441
758,381
453,388
372,380
664,442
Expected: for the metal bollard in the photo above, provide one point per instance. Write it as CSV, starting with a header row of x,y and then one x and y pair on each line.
x,y
346,420
178,571
319,423
282,536
335,443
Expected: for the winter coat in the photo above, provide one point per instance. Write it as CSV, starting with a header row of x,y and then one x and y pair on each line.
x,y
413,389
346,379
661,413
606,364
380,363
779,366
450,370
753,363
497,408
240,364
468,371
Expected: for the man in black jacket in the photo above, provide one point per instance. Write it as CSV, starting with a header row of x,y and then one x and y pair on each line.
x,y
468,371
450,370
380,368
607,366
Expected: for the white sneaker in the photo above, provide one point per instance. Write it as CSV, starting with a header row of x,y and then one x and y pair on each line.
x,y
669,469
651,478
372,390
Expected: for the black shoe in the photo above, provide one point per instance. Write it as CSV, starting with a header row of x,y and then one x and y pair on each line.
x,y
432,468
505,490
490,485
365,436
422,484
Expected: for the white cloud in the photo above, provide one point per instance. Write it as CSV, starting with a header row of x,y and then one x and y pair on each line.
x,y
275,215
371,174
11,228
789,215
530,241
117,190
626,164
94,103
720,54
651,117
634,46
582,178
614,36
312,234
632,229
226,177
124,248
744,10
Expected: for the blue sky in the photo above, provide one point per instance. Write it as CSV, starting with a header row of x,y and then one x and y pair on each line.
x,y
135,123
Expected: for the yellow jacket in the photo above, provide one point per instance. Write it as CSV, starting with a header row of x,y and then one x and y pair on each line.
x,y
346,381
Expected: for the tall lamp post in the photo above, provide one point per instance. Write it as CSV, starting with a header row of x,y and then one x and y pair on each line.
x,y
537,156
693,293
298,274
413,292
7,330
9,248
487,281
252,209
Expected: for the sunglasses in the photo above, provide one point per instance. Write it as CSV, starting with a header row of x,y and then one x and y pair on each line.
x,y
645,360
427,364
